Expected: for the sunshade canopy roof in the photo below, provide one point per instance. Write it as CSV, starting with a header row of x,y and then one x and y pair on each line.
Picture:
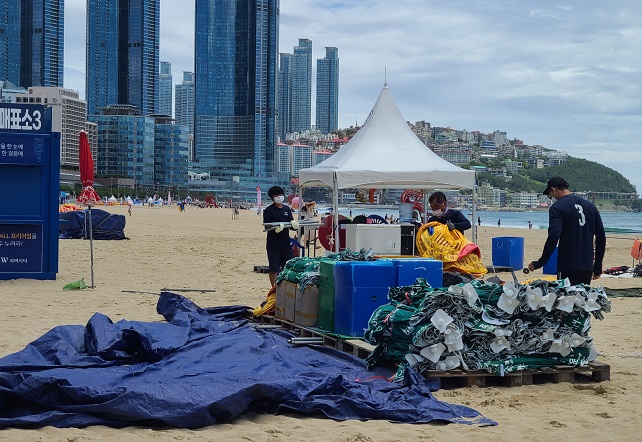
x,y
385,153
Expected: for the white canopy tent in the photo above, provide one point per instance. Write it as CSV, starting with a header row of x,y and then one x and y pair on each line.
x,y
386,154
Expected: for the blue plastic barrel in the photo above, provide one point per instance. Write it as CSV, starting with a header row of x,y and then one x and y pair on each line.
x,y
550,268
508,251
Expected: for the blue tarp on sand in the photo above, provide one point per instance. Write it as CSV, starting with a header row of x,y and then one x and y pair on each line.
x,y
201,367
104,225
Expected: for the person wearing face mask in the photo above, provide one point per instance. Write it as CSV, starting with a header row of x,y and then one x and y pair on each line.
x,y
573,222
454,219
278,246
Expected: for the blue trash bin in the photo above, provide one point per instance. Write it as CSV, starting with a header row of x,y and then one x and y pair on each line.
x,y
508,251
550,268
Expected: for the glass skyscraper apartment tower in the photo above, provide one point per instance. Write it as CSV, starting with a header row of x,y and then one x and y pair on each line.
x,y
32,42
236,48
295,90
283,96
327,107
184,102
164,99
122,53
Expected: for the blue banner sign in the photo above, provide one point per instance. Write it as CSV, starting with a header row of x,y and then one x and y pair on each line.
x,y
21,248
16,149
25,118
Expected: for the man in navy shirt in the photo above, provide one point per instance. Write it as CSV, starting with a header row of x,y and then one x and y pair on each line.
x,y
454,219
278,246
573,222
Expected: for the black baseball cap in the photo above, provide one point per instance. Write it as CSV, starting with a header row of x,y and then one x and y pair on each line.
x,y
556,181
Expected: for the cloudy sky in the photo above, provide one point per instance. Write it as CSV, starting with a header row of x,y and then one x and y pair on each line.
x,y
563,74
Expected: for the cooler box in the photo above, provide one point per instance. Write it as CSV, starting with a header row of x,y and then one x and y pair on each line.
x,y
409,269
306,306
359,288
381,238
550,268
285,300
508,251
325,319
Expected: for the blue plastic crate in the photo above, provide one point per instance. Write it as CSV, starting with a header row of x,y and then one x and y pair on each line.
x,y
409,269
360,287
364,273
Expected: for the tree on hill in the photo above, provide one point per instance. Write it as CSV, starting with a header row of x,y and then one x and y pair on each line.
x,y
583,175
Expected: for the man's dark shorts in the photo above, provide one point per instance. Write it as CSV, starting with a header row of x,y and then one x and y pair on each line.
x,y
277,257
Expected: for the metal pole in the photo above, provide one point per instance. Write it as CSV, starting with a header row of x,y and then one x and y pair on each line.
x,y
474,220
335,204
91,247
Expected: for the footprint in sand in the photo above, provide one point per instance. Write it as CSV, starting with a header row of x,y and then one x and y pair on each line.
x,y
557,424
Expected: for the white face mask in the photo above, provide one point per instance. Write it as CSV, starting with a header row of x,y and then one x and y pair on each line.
x,y
438,213
279,199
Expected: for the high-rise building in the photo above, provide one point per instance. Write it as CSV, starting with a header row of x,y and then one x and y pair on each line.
x,y
32,42
184,102
164,99
126,140
122,54
236,48
170,152
284,96
301,87
68,116
327,105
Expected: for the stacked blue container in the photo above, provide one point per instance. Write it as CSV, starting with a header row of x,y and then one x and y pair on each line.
x,y
359,288
409,269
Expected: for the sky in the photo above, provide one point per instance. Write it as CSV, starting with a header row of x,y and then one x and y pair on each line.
x,y
566,75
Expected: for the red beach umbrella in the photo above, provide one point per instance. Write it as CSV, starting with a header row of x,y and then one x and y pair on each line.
x,y
88,195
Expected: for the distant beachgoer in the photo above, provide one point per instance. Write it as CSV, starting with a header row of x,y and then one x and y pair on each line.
x,y
478,221
351,214
530,225
235,213
499,223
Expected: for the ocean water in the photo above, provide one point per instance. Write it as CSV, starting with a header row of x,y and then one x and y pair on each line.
x,y
614,222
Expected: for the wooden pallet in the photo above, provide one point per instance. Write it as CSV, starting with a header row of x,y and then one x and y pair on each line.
x,y
356,347
262,269
595,371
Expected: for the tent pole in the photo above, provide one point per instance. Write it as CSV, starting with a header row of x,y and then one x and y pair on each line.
x,y
474,220
335,214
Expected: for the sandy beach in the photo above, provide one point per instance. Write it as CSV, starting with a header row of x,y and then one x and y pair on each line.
x,y
205,249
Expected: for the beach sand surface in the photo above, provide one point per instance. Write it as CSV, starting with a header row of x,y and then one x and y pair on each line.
x,y
205,249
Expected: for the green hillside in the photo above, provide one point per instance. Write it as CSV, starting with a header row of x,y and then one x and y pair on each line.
x,y
582,175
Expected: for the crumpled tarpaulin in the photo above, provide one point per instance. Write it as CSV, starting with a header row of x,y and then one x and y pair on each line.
x,y
201,367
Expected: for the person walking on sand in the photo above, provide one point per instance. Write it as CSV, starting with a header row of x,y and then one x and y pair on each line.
x,y
499,223
573,224
478,221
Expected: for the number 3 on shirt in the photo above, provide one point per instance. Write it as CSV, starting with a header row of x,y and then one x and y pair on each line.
x,y
582,219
